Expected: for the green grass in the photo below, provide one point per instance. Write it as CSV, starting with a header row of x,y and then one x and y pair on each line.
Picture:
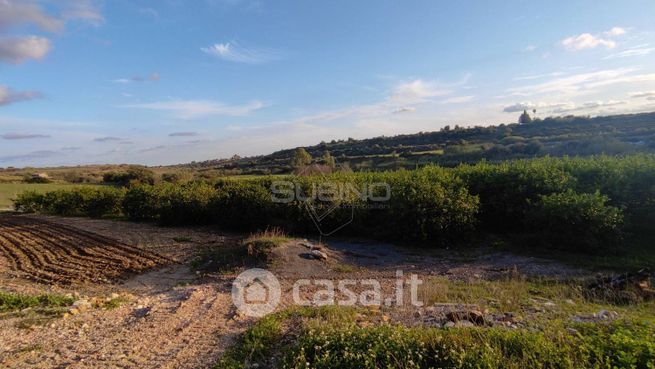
x,y
330,337
347,337
9,191
115,303
13,302
32,310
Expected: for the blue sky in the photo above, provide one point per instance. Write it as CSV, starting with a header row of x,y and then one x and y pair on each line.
x,y
171,81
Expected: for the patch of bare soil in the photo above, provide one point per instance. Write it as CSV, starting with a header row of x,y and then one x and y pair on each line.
x,y
172,317
51,253
382,258
186,327
169,317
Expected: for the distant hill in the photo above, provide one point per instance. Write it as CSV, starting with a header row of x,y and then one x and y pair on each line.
x,y
559,136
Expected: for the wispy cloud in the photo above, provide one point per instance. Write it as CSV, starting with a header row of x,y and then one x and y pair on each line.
x,y
22,136
84,10
15,12
458,99
154,148
183,134
420,90
590,41
537,76
643,94
30,156
17,50
406,109
153,77
9,96
149,12
529,106
189,109
107,139
20,48
640,50
561,107
232,51
583,82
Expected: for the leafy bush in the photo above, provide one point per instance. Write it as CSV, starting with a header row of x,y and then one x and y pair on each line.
x,y
87,201
184,204
140,203
105,201
577,221
36,179
133,176
506,189
29,202
579,202
430,204
242,205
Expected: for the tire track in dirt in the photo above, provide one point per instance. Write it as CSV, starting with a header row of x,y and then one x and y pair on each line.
x,y
184,328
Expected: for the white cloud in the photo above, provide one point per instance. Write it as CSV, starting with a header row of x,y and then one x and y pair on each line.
x,y
22,136
458,99
189,109
615,31
19,49
232,51
635,51
529,106
530,48
15,12
537,76
406,109
581,82
84,10
418,91
9,96
589,41
183,134
153,77
107,139
561,107
647,94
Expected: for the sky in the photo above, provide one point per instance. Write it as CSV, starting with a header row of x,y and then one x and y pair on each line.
x,y
173,81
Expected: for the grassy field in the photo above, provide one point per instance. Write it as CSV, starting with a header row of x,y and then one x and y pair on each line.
x,y
10,190
550,332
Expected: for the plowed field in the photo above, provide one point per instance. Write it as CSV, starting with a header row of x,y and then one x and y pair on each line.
x,y
52,253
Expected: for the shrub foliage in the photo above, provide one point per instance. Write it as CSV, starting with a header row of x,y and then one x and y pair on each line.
x,y
583,203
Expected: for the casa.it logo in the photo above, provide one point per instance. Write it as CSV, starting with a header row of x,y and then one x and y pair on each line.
x,y
256,293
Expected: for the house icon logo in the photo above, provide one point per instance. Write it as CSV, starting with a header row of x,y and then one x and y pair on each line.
x,y
256,292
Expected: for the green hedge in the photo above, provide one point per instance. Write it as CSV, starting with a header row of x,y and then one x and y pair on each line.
x,y
588,202
83,201
570,220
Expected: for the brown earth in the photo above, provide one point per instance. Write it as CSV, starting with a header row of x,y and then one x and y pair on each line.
x,y
173,317
56,254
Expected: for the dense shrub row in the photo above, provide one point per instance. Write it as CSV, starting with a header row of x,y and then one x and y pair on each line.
x,y
80,201
567,202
